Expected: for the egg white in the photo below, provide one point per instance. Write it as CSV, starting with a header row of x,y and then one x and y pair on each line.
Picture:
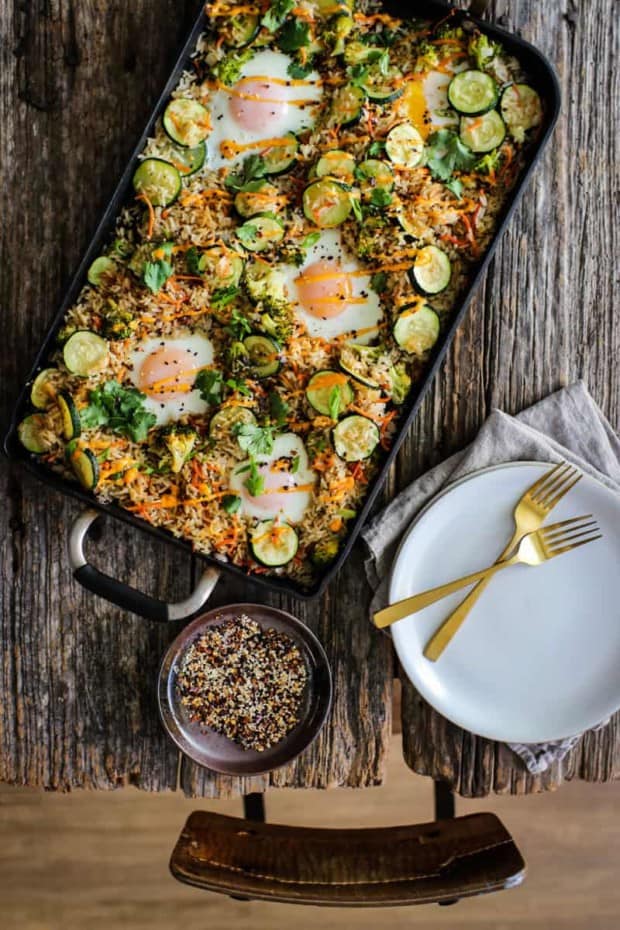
x,y
435,89
271,64
357,316
291,505
189,402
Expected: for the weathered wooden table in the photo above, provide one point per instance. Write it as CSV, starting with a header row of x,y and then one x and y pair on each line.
x,y
78,707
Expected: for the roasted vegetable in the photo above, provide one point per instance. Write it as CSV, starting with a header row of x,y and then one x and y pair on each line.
x,y
179,441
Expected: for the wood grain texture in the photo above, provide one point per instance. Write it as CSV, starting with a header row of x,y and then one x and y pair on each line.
x,y
546,316
78,676
77,81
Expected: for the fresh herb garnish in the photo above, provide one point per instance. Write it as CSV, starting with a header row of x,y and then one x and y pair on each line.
x,y
120,409
255,440
248,233
446,153
335,402
295,34
295,465
310,240
240,387
223,296
252,170
156,274
239,326
380,197
378,282
192,260
255,482
278,409
276,14
358,213
231,503
455,187
376,149
209,383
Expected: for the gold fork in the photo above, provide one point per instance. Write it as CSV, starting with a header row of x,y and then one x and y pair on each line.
x,y
534,549
529,514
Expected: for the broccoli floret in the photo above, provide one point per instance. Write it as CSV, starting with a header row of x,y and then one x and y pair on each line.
x,y
368,244
489,163
427,57
482,50
340,28
228,70
451,32
400,384
325,551
116,322
179,441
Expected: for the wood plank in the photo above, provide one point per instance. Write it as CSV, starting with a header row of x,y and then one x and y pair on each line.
x,y
546,316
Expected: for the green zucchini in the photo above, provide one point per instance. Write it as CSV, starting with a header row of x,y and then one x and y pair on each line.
x,y
85,468
265,199
431,270
264,355
84,353
521,109
239,30
220,267
186,161
472,92
273,544
358,362
222,422
158,181
374,173
404,146
261,232
417,331
482,133
29,433
100,268
336,164
384,88
346,106
41,392
329,392
186,122
280,158
71,425
355,438
327,203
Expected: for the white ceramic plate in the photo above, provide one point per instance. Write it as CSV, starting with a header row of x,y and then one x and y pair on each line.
x,y
538,658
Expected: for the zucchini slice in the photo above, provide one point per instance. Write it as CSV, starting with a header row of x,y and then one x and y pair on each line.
x,y
473,92
84,353
374,173
29,433
482,133
327,203
239,30
101,267
264,355
358,362
329,392
186,161
71,425
158,181
273,544
222,423
260,233
404,146
86,468
266,199
221,267
186,122
431,270
384,88
417,331
336,164
521,109
346,106
42,392
279,158
355,438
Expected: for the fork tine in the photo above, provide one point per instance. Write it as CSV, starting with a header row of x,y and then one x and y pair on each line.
x,y
553,527
568,530
550,503
576,545
564,475
543,479
569,537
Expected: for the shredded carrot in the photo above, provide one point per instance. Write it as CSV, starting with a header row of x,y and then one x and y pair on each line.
x,y
149,205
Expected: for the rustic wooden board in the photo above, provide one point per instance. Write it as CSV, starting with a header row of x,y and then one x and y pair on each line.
x,y
77,82
547,315
78,676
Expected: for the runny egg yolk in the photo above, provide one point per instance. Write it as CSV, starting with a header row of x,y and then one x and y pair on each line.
x,y
415,108
323,289
167,372
256,103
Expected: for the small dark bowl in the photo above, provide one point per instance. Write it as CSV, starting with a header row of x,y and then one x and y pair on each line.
x,y
217,752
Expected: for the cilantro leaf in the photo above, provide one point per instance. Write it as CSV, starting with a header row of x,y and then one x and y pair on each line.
x,y
278,408
239,386
231,503
192,260
209,383
248,233
446,153
121,409
455,187
335,402
239,326
357,209
378,281
297,70
156,274
376,149
255,440
294,35
255,482
310,240
253,168
223,296
380,197
276,14
295,464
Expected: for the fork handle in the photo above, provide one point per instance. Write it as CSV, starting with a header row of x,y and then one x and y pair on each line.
x,y
410,605
451,625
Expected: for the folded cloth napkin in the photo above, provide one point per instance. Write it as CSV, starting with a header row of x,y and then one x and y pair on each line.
x,y
567,425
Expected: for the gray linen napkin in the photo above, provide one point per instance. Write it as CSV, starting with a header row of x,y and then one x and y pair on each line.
x,y
566,425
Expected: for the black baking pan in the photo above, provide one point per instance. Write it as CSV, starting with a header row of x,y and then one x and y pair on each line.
x,y
542,76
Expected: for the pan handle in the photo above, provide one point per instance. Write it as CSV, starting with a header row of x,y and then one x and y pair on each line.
x,y
478,7
122,594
